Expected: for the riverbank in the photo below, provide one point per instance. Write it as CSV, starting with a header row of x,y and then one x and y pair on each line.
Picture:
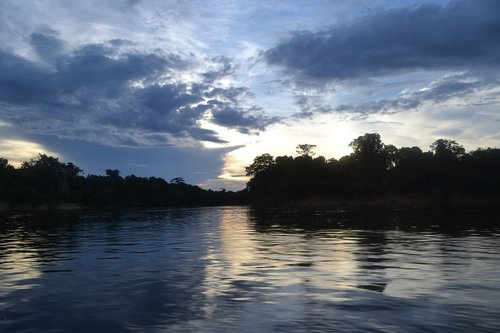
x,y
396,201
6,206
308,203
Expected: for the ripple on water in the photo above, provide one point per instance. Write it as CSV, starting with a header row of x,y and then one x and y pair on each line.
x,y
243,270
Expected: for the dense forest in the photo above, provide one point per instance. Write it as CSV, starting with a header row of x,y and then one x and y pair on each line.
x,y
375,169
46,180
372,170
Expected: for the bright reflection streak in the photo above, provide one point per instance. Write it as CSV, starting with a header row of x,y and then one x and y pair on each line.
x,y
237,269
278,259
18,268
228,261
425,269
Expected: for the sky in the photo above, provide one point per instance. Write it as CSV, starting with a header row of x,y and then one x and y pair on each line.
x,y
197,89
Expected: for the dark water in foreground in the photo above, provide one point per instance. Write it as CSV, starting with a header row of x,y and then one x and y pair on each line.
x,y
243,270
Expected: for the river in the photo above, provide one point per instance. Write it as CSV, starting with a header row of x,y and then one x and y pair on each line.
x,y
239,269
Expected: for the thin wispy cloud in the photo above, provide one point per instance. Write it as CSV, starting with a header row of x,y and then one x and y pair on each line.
x,y
101,88
219,78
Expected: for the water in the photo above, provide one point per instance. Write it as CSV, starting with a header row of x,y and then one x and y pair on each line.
x,y
238,269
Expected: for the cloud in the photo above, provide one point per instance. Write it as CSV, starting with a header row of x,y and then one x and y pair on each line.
x,y
463,88
457,46
225,68
114,94
463,35
18,151
226,111
133,3
246,122
46,44
195,164
310,105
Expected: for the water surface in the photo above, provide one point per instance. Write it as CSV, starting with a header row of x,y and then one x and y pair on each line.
x,y
237,269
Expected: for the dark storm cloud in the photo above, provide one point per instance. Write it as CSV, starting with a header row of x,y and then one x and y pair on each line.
x,y
166,99
104,67
226,110
103,93
464,35
46,44
22,81
95,70
244,121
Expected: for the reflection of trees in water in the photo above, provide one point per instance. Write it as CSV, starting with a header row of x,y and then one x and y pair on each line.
x,y
40,233
372,259
452,220
46,233
285,271
383,237
30,246
180,269
152,278
326,244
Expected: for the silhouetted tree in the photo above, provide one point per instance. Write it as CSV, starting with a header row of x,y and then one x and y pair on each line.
x,y
445,167
177,180
411,170
306,150
371,163
391,156
447,148
368,144
6,178
3,163
260,164
374,168
45,179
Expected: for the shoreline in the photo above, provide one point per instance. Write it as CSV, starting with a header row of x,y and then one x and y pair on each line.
x,y
6,206
397,201
388,201
69,206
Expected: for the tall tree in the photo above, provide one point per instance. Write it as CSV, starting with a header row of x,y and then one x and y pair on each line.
x,y
306,150
444,148
260,164
367,144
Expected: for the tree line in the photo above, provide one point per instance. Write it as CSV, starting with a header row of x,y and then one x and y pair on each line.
x,y
46,180
373,169
376,169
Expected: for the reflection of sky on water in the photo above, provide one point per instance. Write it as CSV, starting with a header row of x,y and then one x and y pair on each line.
x,y
229,270
293,276
18,268
263,273
121,276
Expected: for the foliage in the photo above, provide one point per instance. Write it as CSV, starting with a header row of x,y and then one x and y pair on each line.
x,y
306,150
375,168
45,179
372,169
260,164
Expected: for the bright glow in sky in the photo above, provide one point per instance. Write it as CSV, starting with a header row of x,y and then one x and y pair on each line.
x,y
197,89
20,151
